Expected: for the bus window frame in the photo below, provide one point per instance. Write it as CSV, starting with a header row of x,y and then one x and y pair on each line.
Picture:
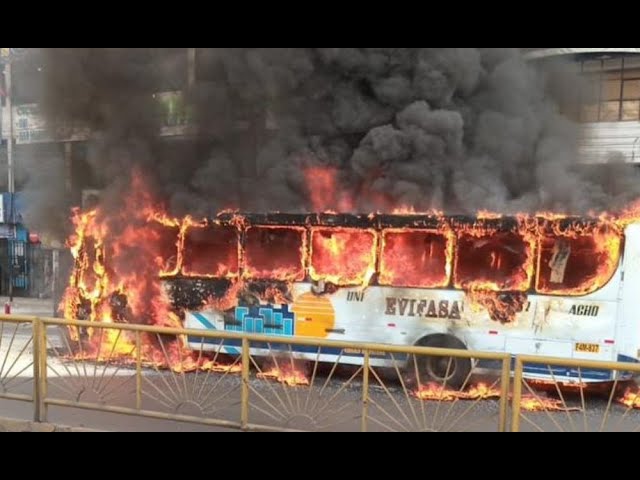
x,y
205,225
451,243
617,269
305,260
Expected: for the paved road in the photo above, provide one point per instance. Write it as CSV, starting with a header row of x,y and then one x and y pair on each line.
x,y
332,402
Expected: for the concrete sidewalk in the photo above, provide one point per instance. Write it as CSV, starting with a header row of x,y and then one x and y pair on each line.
x,y
29,306
9,425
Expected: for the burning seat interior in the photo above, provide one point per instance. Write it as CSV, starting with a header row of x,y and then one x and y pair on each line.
x,y
342,256
415,258
210,251
274,253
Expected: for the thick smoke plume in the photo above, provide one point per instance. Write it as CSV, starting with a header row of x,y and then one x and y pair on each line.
x,y
452,129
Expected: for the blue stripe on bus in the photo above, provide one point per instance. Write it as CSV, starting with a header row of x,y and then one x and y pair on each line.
x,y
203,320
568,372
529,368
627,359
557,370
209,326
286,348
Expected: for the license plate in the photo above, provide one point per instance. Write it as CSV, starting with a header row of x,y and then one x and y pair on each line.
x,y
588,347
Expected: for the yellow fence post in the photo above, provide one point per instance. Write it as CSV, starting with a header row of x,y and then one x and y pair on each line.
x,y
504,393
365,391
138,371
244,400
36,325
42,369
517,395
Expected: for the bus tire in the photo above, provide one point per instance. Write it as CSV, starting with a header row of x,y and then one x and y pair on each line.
x,y
451,372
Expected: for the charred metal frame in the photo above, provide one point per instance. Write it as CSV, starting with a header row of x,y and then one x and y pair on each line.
x,y
380,222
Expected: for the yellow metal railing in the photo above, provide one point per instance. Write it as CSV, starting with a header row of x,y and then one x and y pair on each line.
x,y
581,410
8,365
275,404
43,366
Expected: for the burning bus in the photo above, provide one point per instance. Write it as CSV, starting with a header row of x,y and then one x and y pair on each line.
x,y
530,285
544,285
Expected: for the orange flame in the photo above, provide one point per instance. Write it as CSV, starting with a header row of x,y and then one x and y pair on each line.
x,y
342,256
630,398
428,253
483,391
322,184
118,259
434,391
275,253
287,375
540,404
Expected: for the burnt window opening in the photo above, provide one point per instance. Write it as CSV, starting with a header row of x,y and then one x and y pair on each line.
x,y
165,240
577,264
342,256
274,253
414,259
493,261
210,251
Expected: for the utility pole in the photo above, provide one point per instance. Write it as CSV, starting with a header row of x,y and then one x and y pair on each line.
x,y
7,55
191,67
7,77
11,177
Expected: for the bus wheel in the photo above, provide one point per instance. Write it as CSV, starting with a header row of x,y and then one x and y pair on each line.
x,y
451,372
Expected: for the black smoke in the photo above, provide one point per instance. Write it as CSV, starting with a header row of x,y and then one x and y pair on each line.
x,y
457,129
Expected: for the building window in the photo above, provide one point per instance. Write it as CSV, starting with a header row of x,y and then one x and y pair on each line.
x,y
616,93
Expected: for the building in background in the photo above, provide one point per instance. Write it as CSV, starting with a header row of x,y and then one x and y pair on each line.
x,y
610,112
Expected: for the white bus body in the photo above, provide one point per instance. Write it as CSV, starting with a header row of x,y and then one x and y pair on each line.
x,y
603,325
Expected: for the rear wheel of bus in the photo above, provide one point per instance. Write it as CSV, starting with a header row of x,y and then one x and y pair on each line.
x,y
450,372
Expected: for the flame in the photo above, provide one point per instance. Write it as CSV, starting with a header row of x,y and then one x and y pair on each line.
x,y
342,256
275,253
226,301
484,391
322,184
434,391
630,398
118,259
494,260
427,251
532,403
486,214
593,255
208,249
286,375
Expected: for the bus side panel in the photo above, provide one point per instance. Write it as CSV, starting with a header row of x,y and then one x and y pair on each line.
x,y
389,315
585,326
628,331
